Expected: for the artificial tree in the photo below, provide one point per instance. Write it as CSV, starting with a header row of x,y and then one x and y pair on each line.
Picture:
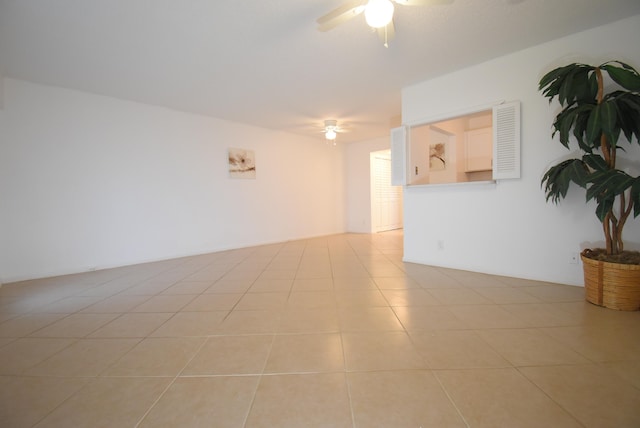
x,y
596,119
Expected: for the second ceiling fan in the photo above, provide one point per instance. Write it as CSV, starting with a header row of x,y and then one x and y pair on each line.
x,y
378,14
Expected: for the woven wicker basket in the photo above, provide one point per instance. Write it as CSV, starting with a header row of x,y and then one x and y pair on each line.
x,y
612,285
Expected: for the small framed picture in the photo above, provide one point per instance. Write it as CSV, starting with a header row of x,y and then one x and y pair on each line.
x,y
242,163
438,157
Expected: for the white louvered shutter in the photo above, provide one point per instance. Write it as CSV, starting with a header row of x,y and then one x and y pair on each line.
x,y
506,141
399,156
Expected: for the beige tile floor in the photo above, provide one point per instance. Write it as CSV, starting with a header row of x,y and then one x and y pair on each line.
x,y
334,331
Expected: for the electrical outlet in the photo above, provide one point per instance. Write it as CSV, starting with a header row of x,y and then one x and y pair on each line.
x,y
440,245
416,170
573,258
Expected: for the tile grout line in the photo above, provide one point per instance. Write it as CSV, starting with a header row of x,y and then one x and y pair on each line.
x,y
266,360
143,417
450,398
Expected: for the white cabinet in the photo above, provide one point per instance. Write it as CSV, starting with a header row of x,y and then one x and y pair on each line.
x,y
478,150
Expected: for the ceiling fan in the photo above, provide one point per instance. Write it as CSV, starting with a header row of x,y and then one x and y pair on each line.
x,y
331,129
377,13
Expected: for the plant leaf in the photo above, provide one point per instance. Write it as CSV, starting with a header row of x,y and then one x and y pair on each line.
x,y
580,127
604,206
635,196
564,123
608,120
595,162
605,187
628,106
594,125
583,86
551,82
568,83
557,179
576,118
624,76
608,184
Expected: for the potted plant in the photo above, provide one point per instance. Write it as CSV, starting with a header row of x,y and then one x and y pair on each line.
x,y
603,123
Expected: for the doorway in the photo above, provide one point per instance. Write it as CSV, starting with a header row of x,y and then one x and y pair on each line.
x,y
386,200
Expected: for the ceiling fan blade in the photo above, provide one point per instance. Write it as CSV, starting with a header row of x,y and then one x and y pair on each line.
x,y
342,14
386,34
422,2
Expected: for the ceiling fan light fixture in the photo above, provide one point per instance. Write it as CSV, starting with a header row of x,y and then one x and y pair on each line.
x,y
330,127
330,134
378,13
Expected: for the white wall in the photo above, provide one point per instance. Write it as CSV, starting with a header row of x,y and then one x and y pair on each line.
x,y
89,182
3,176
358,186
508,228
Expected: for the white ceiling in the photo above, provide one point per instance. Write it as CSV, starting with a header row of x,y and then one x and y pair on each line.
x,y
262,62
